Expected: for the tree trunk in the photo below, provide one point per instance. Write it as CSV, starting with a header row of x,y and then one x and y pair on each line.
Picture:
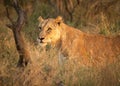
x,y
24,56
16,26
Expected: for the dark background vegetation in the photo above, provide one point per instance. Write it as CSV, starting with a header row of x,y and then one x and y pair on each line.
x,y
91,16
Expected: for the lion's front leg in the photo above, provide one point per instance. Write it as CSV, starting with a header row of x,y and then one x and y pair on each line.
x,y
61,58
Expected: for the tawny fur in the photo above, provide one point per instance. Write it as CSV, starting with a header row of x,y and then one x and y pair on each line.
x,y
75,44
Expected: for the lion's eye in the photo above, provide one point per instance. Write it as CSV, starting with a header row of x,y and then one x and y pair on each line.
x,y
49,29
39,28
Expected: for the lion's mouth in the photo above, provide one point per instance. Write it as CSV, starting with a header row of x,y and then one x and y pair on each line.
x,y
43,42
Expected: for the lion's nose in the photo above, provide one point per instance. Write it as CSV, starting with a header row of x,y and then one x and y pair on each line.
x,y
41,39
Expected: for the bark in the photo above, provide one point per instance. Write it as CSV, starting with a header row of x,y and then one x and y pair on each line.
x,y
16,26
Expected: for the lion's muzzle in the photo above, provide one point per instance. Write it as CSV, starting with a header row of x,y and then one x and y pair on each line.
x,y
40,39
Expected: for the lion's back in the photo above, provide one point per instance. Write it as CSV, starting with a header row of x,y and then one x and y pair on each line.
x,y
94,47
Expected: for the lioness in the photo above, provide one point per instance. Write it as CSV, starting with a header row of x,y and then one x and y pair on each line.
x,y
73,43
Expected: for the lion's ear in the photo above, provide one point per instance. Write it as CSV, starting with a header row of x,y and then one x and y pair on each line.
x,y
40,19
59,20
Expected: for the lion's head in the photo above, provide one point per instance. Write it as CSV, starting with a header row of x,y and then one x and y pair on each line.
x,y
49,30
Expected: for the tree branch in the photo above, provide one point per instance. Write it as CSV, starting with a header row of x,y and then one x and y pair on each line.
x,y
20,13
8,15
9,26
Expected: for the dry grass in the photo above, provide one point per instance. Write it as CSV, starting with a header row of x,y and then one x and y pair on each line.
x,y
46,71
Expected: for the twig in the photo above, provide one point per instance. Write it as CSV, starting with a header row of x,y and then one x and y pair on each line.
x,y
8,15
